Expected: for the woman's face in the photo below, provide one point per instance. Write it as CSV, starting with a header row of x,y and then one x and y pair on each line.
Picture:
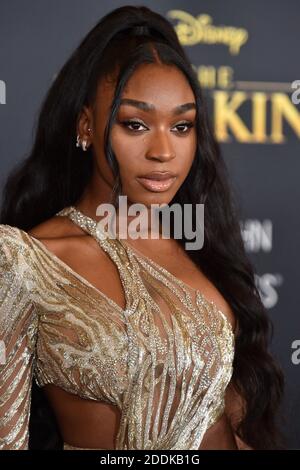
x,y
157,138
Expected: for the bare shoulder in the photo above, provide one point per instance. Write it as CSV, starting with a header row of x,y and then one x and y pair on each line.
x,y
55,227
72,245
61,236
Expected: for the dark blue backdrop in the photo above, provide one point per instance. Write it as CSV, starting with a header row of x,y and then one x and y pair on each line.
x,y
246,57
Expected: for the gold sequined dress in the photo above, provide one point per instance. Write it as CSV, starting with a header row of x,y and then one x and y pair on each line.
x,y
165,360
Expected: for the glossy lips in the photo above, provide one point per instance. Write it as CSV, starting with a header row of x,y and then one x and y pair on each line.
x,y
157,181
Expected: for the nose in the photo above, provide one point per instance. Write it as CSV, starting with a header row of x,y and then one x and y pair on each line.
x,y
161,148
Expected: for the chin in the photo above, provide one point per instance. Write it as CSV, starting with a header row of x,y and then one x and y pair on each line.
x,y
153,198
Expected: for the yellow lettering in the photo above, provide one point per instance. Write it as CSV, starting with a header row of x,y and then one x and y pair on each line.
x,y
226,117
282,106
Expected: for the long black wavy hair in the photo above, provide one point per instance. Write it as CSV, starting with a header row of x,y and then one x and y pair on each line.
x,y
55,174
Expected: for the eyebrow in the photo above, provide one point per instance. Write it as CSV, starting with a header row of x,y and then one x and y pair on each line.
x,y
150,107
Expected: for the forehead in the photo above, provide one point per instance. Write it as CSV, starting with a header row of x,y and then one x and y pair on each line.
x,y
163,86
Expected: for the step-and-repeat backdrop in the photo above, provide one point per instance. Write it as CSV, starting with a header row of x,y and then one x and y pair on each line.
x,y
246,55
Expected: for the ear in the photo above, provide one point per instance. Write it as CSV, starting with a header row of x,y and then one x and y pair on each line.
x,y
85,125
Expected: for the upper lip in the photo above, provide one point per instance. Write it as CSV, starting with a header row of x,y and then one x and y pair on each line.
x,y
159,175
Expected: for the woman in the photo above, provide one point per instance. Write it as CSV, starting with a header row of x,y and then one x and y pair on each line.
x,y
139,344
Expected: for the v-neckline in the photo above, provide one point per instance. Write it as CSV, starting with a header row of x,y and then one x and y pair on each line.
x,y
129,248
138,254
135,252
132,251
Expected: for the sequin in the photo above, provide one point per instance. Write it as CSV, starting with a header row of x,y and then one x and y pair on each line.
x,y
164,360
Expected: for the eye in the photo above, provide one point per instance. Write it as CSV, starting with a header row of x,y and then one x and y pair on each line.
x,y
134,126
188,125
132,123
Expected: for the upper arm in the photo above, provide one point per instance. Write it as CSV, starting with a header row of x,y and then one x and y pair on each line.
x,y
17,336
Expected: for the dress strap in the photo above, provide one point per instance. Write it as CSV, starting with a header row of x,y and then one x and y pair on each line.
x,y
116,251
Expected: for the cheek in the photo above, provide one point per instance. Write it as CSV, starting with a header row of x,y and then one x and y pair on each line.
x,y
123,150
186,154
128,152
129,169
192,145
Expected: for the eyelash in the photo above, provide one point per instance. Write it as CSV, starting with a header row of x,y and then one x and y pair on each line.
x,y
188,124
